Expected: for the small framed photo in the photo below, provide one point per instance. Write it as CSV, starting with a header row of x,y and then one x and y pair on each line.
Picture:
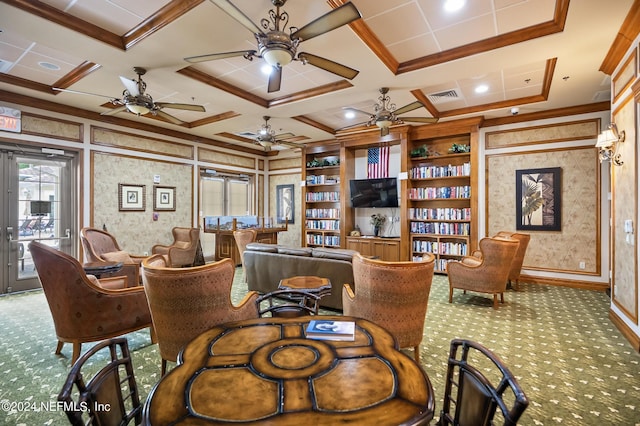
x,y
131,197
164,198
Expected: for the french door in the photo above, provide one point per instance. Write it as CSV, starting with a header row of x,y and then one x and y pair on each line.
x,y
39,195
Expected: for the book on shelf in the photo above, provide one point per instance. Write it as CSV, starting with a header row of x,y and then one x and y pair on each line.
x,y
331,330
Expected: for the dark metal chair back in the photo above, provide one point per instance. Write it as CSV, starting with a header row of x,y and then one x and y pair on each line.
x,y
288,303
111,396
470,397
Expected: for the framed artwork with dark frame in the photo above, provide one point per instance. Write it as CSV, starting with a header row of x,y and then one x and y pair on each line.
x,y
538,199
164,198
285,205
131,197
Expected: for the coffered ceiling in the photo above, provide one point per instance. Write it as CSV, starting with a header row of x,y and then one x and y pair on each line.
x,y
535,55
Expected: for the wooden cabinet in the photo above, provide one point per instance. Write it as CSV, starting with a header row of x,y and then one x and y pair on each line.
x,y
441,200
383,248
321,198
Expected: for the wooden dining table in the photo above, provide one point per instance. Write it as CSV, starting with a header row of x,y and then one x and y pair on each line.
x,y
267,371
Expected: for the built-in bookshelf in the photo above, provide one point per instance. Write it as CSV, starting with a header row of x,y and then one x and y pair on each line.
x,y
322,197
439,194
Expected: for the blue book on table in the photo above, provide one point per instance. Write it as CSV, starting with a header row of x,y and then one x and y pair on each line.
x,y
331,330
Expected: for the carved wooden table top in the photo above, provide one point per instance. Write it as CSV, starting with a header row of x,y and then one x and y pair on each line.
x,y
265,371
310,284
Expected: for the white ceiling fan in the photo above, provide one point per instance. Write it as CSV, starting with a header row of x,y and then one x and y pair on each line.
x,y
278,48
386,114
137,101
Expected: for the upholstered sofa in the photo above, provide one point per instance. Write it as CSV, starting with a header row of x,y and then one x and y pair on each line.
x,y
267,264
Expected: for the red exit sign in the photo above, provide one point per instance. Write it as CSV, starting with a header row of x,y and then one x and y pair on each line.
x,y
10,119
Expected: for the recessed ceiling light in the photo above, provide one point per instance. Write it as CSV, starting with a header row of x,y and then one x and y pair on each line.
x,y
483,88
49,66
453,5
266,69
349,114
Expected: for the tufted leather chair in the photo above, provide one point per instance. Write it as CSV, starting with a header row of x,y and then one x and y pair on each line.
x,y
244,237
101,246
184,302
182,251
516,265
82,309
394,295
487,273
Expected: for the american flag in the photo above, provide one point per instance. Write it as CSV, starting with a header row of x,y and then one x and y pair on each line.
x,y
378,162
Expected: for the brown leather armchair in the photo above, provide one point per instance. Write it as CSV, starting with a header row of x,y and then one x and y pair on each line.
x,y
485,274
516,265
101,246
184,302
244,237
83,310
394,295
182,251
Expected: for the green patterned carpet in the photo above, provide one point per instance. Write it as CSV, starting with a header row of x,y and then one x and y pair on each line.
x,y
574,365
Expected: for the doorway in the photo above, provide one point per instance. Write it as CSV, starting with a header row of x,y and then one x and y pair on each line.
x,y
40,194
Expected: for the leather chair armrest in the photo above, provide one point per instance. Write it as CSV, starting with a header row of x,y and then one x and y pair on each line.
x,y
137,258
471,261
348,291
160,249
113,283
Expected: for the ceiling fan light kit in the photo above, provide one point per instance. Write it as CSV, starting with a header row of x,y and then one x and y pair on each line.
x,y
386,114
135,100
267,138
278,48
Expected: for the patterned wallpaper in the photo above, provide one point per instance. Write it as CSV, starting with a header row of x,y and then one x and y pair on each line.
x,y
136,231
625,184
579,236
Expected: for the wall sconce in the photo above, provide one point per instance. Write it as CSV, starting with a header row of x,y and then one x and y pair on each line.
x,y
608,143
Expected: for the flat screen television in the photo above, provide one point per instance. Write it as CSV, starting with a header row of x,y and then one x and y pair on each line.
x,y
380,192
40,208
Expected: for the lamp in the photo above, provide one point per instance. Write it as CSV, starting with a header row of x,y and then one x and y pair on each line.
x,y
139,104
276,47
266,135
277,57
138,109
608,144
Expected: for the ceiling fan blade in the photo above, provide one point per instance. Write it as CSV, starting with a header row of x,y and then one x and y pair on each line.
x,y
237,14
351,126
275,78
407,108
170,118
327,22
420,119
327,65
214,56
291,144
283,136
187,107
114,111
130,85
82,93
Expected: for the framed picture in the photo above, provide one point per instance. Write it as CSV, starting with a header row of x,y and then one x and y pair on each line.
x,y
285,206
164,198
131,197
538,202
